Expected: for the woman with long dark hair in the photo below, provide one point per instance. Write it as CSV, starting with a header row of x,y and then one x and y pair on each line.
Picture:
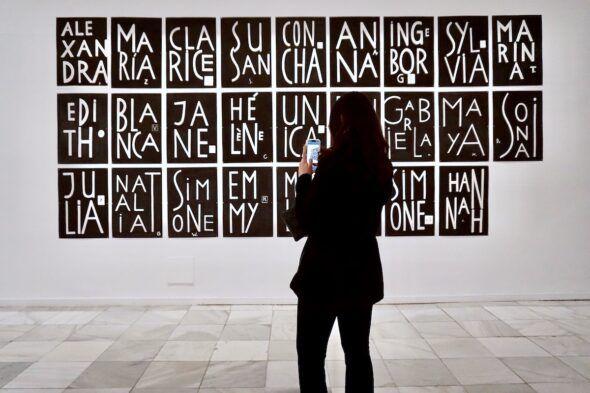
x,y
339,273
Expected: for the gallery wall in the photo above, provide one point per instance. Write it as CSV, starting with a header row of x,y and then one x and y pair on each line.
x,y
139,174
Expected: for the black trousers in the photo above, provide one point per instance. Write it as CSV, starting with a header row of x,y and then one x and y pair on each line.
x,y
314,324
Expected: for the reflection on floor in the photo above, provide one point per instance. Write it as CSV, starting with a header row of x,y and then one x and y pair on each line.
x,y
496,347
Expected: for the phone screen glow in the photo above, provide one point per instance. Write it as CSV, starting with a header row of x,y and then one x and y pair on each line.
x,y
313,150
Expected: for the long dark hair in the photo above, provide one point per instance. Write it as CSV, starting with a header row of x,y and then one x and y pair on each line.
x,y
357,138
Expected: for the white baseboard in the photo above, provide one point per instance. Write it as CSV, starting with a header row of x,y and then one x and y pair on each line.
x,y
103,301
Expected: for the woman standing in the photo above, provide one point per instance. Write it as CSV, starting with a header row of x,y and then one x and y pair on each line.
x,y
339,273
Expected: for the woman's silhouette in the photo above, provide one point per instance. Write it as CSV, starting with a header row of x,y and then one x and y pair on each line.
x,y
339,273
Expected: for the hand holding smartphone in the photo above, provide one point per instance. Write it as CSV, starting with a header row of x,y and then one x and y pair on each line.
x,y
313,150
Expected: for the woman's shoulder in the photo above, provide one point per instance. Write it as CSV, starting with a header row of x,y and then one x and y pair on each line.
x,y
336,158
327,161
326,155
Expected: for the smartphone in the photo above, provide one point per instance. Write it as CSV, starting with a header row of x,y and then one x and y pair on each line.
x,y
313,150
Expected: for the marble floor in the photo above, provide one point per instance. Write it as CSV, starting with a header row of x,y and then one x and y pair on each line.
x,y
495,347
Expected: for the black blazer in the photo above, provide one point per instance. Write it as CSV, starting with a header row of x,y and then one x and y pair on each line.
x,y
340,263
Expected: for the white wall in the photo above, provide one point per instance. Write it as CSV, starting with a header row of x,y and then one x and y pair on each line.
x,y
538,243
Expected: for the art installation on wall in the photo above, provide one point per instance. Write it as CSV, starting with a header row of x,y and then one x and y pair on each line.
x,y
193,127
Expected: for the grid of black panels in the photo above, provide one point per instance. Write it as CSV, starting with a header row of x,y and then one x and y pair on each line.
x,y
193,127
